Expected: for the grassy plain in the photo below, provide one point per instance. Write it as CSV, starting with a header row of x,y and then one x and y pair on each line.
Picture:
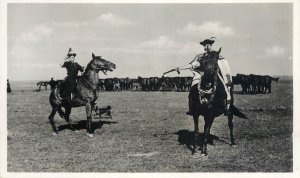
x,y
149,132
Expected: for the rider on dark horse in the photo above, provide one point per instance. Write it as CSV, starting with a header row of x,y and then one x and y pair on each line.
x,y
197,66
69,84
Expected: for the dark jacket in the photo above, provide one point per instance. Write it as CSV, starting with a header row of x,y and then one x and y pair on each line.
x,y
69,84
72,68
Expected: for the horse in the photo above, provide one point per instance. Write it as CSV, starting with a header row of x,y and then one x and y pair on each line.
x,y
214,105
275,79
244,81
54,83
42,83
85,95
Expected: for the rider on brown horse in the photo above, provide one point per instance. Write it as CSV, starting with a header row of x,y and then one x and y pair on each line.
x,y
69,84
197,66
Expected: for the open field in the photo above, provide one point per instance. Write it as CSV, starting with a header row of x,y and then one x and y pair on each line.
x,y
149,132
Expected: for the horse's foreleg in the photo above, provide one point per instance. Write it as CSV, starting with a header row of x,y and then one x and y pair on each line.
x,y
88,108
51,119
204,139
196,132
207,126
230,125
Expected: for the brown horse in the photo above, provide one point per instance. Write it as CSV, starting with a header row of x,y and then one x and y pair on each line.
x,y
214,104
85,95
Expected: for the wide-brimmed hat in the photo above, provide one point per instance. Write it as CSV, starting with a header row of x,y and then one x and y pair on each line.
x,y
208,41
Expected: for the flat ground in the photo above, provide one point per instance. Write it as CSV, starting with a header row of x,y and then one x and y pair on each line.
x,y
149,132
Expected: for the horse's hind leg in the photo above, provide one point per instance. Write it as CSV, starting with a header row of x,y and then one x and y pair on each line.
x,y
61,112
51,119
67,115
230,125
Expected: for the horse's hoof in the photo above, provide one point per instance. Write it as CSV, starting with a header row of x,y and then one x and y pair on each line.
x,y
203,154
233,145
211,142
54,133
194,152
90,135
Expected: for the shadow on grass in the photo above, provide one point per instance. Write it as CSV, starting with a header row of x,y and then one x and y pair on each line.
x,y
241,93
249,93
82,125
186,137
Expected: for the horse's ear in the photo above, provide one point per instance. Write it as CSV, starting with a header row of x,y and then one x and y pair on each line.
x,y
93,55
220,50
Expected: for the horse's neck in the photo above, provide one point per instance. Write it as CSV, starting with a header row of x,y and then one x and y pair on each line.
x,y
91,76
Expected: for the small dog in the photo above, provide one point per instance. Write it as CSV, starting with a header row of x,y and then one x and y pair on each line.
x,y
101,111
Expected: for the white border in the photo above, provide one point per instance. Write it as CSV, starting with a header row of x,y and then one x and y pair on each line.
x,y
3,103
3,77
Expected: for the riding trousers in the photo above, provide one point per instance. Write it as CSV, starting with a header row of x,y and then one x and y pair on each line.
x,y
226,78
68,86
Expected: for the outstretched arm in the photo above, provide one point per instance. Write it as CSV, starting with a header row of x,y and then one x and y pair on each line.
x,y
195,63
186,67
190,66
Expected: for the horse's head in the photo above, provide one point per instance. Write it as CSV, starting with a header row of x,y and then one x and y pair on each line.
x,y
99,64
213,56
210,69
211,61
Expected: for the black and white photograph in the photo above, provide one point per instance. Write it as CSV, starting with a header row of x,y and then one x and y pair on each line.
x,y
157,87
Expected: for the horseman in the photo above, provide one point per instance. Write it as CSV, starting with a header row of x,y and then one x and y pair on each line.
x,y
8,87
69,84
197,66
52,83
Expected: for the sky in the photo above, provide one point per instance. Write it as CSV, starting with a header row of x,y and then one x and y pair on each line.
x,y
147,39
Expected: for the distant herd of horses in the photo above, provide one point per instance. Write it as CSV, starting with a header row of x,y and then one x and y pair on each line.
x,y
254,84
250,84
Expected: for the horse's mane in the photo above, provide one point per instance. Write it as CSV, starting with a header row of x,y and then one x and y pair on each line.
x,y
87,67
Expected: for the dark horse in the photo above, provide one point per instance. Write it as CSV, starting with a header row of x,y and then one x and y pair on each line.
x,y
85,95
215,97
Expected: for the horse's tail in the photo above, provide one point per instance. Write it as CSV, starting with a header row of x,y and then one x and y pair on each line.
x,y
235,111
